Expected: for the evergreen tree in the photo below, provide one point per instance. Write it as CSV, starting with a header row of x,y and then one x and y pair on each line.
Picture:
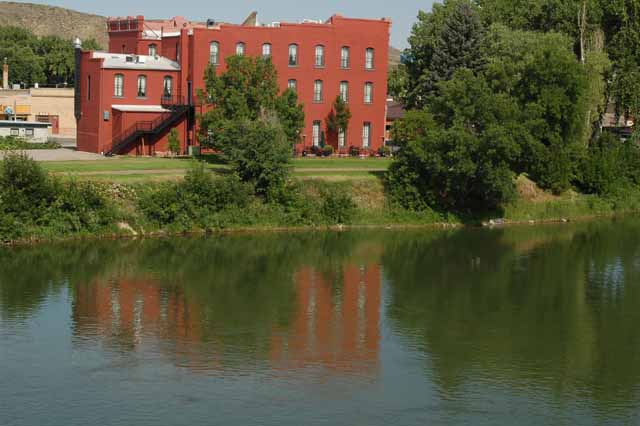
x,y
459,45
339,117
441,42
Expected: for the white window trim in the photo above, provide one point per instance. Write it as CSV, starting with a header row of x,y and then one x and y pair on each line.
x,y
342,138
368,93
345,60
214,58
241,48
344,94
370,64
294,53
318,95
316,133
366,135
118,89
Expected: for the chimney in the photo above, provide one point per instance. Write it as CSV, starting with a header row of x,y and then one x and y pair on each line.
x,y
5,75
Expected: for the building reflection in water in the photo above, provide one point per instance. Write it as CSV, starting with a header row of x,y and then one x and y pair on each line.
x,y
335,323
337,327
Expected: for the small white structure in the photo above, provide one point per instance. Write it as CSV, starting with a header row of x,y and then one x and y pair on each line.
x,y
30,131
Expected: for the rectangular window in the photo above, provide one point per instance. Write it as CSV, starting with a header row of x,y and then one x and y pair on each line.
x,y
317,91
342,138
292,85
153,50
142,86
369,59
345,54
316,133
368,93
28,132
118,89
344,91
14,132
366,135
320,56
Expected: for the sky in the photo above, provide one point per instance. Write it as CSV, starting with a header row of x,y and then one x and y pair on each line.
x,y
402,12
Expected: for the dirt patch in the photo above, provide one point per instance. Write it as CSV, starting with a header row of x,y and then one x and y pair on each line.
x,y
530,191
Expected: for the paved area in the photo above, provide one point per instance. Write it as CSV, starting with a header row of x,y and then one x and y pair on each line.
x,y
62,154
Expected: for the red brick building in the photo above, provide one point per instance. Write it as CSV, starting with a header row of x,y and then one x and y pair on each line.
x,y
129,99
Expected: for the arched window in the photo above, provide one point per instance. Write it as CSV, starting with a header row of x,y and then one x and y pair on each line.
x,y
292,85
240,49
153,49
293,55
368,92
214,53
118,86
344,91
266,50
369,59
167,87
317,91
345,57
142,86
319,56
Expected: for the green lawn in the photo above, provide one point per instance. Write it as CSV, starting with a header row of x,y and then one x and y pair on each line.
x,y
131,169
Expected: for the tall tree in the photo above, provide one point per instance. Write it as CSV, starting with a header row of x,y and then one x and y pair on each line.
x,y
459,45
441,42
247,120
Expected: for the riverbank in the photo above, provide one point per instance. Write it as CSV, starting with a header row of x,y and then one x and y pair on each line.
x,y
143,210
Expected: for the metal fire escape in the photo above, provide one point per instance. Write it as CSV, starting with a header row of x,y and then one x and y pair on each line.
x,y
177,109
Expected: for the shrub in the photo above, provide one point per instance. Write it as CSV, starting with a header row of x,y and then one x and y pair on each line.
x,y
297,205
609,165
25,187
327,150
196,200
316,150
32,203
384,151
258,152
337,206
354,151
12,143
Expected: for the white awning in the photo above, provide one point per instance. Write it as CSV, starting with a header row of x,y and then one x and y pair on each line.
x,y
139,108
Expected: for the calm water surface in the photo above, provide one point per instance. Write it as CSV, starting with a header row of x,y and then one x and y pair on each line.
x,y
531,325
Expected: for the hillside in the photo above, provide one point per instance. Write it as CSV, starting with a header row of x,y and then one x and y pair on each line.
x,y
50,20
394,57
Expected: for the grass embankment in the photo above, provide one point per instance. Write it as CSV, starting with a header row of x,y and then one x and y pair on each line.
x,y
141,170
36,206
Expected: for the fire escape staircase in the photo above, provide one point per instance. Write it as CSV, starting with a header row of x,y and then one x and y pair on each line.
x,y
176,111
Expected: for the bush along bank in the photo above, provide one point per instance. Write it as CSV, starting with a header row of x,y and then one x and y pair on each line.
x,y
35,206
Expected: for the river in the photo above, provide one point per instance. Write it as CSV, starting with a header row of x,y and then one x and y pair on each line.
x,y
525,325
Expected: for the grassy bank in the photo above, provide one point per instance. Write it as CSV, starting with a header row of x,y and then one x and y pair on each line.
x,y
37,205
131,170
